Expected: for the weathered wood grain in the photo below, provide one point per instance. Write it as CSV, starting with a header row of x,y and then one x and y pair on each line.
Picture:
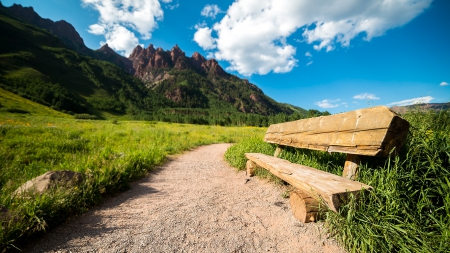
x,y
373,131
332,189
351,167
304,207
250,166
278,151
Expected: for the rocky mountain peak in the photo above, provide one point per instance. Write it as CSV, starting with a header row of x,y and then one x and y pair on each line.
x,y
62,29
176,53
146,60
197,60
136,52
106,48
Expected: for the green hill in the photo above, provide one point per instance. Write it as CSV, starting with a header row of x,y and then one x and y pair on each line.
x,y
37,65
11,103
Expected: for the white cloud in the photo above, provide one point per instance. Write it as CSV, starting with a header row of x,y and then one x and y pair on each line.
x,y
309,63
308,54
210,10
203,37
122,18
328,103
121,39
412,101
252,35
97,29
366,96
444,84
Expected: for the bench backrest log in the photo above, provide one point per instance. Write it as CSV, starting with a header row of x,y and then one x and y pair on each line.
x,y
373,131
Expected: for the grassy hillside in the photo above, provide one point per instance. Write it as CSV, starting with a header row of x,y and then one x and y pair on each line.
x,y
36,65
12,104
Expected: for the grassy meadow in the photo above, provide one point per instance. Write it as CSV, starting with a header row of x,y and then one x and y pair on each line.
x,y
110,154
409,209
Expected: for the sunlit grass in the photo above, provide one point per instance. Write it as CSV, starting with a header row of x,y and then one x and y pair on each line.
x,y
109,154
9,100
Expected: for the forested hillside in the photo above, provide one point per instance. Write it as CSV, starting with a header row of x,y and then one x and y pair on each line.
x,y
38,66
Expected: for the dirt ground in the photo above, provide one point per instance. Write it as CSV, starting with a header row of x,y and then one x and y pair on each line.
x,y
196,202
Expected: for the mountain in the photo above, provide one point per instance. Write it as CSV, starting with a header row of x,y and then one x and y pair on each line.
x,y
105,53
196,82
424,106
38,66
62,29
192,82
68,35
47,62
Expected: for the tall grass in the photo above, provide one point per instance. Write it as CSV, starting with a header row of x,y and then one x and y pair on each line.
x,y
109,154
409,209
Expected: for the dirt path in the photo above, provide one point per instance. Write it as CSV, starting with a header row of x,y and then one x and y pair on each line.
x,y
194,203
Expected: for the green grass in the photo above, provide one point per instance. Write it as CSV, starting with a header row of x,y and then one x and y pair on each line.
x,y
110,154
409,209
9,101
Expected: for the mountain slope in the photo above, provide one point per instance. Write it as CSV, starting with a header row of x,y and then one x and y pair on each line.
x,y
38,66
67,34
195,82
423,106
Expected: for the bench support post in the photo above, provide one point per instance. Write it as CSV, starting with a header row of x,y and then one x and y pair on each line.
x,y
251,166
351,167
304,207
278,150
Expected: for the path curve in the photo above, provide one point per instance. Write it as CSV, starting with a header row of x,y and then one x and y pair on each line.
x,y
196,202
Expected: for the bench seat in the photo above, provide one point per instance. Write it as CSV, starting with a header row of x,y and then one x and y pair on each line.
x,y
321,185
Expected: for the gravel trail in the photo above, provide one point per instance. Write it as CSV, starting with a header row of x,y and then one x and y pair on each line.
x,y
195,202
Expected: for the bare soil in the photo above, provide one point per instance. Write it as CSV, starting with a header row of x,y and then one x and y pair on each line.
x,y
196,202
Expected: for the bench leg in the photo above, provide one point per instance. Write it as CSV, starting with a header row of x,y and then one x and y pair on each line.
x,y
351,167
251,166
304,207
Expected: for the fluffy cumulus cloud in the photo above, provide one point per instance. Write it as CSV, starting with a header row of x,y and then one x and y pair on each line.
x,y
366,96
252,36
326,103
412,101
210,10
203,38
120,19
444,84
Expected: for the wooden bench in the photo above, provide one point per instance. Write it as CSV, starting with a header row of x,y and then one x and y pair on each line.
x,y
375,131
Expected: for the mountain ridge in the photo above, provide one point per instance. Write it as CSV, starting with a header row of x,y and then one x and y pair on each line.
x,y
209,86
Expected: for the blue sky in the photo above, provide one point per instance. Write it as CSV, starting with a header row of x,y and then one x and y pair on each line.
x,y
334,55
